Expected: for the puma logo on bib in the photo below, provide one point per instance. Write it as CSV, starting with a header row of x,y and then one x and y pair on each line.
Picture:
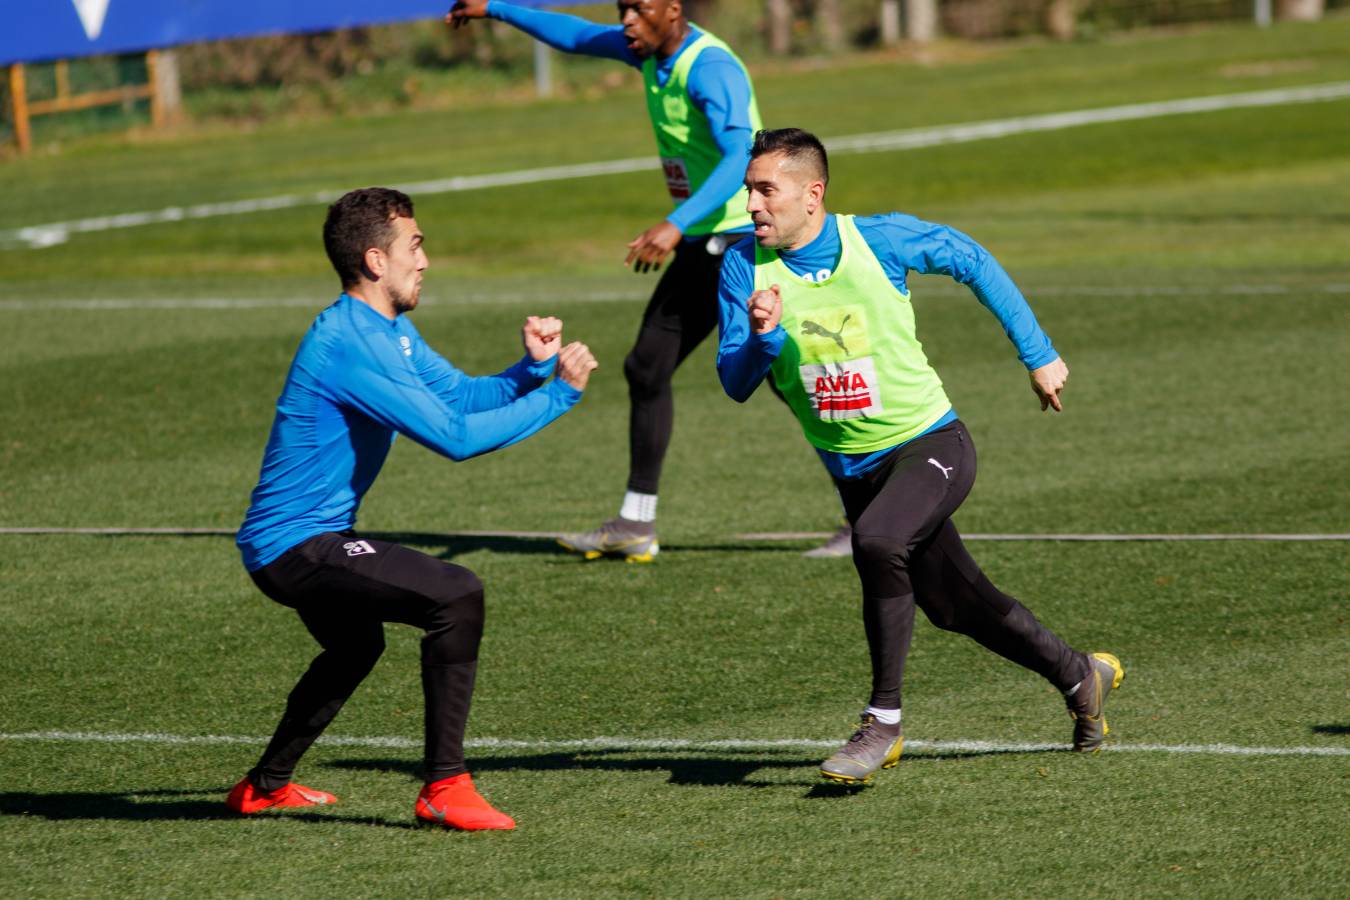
x,y
677,177
842,390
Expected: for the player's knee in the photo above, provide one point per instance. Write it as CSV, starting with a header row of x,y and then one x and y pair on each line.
x,y
944,617
880,550
644,379
458,602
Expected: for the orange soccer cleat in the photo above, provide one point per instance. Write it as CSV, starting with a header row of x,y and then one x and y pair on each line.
x,y
247,799
455,803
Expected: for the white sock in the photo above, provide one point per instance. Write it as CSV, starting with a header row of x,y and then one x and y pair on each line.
x,y
884,716
638,507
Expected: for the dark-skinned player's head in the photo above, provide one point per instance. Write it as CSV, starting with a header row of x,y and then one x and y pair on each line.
x,y
652,27
786,179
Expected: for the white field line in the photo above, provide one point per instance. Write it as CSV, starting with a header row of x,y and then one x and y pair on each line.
x,y
630,745
752,536
52,233
638,295
976,536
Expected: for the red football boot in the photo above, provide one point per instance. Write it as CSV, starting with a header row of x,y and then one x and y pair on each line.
x,y
247,799
455,803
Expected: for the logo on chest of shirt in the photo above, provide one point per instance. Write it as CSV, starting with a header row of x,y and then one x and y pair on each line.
x,y
677,177
829,333
842,390
405,342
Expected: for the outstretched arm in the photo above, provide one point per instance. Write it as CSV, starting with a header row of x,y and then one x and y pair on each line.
x,y
468,393
720,89
904,242
570,34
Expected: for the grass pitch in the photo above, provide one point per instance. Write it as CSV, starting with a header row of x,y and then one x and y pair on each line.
x,y
1191,270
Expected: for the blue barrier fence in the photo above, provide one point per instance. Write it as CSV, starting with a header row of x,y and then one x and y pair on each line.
x,y
38,30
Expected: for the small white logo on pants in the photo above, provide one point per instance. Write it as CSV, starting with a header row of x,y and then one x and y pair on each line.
x,y
358,548
945,469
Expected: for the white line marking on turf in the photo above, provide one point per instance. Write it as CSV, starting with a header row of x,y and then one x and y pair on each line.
x,y
53,233
234,303
624,745
752,536
976,536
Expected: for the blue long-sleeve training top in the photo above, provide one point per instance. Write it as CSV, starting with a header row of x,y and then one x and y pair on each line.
x,y
357,381
902,244
718,88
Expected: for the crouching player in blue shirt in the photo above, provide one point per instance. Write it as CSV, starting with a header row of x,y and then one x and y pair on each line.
x,y
363,375
820,304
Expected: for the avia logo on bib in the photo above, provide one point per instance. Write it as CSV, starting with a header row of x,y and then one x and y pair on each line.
x,y
843,390
677,177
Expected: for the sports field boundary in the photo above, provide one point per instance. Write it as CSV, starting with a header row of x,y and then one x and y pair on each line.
x,y
639,745
54,233
785,536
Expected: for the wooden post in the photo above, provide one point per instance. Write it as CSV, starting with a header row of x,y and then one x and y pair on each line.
x,y
18,98
166,94
63,79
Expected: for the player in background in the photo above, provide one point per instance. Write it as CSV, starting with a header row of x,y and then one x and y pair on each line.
x,y
819,303
362,376
703,111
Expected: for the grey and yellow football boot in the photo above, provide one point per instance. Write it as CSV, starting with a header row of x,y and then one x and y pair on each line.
x,y
873,746
619,537
1086,703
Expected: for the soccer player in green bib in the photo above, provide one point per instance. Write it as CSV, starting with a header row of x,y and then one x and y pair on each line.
x,y
819,303
703,112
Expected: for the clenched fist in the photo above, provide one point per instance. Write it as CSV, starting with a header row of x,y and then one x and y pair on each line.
x,y
575,364
766,310
542,336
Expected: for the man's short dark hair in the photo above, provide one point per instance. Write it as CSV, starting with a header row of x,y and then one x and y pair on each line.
x,y
798,145
358,221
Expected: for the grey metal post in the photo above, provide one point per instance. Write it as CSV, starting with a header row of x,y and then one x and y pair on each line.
x,y
543,72
1261,13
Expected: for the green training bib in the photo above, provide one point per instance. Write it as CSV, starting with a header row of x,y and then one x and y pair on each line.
x,y
852,369
684,139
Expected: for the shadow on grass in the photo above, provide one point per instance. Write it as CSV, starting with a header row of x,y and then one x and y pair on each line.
x,y
1331,729
156,806
722,770
448,546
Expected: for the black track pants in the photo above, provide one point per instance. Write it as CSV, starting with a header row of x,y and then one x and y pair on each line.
x,y
907,552
345,588
681,313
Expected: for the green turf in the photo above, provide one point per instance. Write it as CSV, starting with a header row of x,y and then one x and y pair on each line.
x,y
1192,270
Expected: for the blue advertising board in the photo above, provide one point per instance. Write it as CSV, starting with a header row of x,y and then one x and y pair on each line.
x,y
36,30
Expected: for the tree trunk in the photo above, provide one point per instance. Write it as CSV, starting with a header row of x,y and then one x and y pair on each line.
x,y
780,27
830,21
1061,18
921,20
890,22
1300,10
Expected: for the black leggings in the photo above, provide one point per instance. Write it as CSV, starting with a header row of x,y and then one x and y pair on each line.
x,y
908,552
681,313
344,588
